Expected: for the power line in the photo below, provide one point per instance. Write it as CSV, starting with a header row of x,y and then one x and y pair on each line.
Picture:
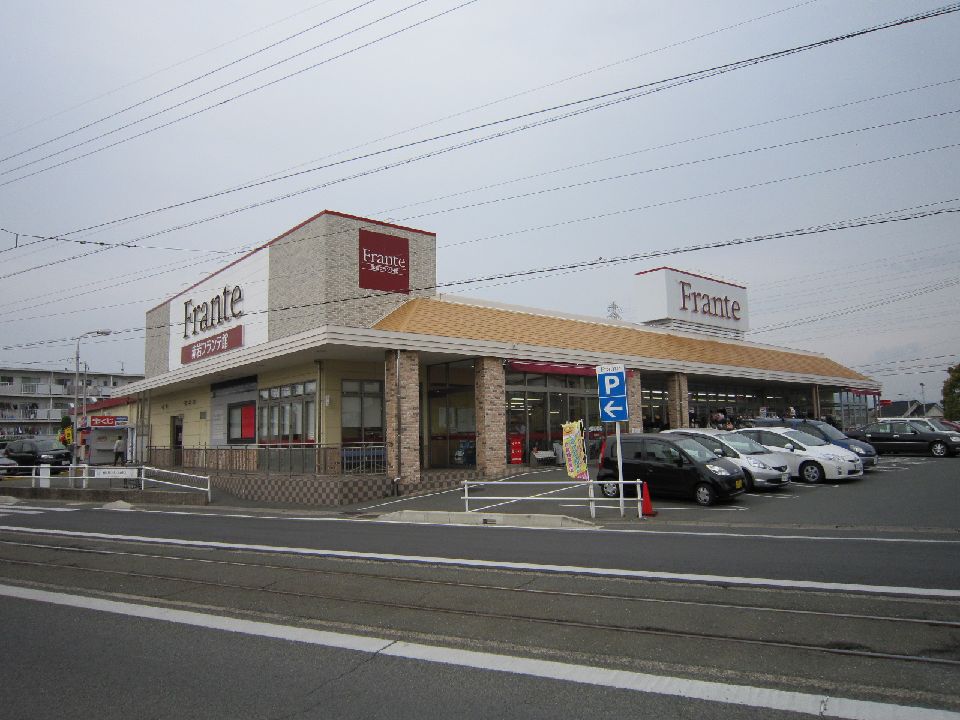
x,y
571,109
179,87
864,306
902,360
225,101
570,186
575,267
161,70
528,91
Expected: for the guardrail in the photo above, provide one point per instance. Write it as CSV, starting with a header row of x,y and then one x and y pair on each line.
x,y
291,459
133,476
564,485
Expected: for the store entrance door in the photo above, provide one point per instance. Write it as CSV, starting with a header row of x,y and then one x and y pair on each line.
x,y
176,438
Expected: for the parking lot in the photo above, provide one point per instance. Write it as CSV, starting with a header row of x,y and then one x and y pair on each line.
x,y
906,492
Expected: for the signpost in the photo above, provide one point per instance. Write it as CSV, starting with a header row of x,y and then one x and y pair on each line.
x,y
612,392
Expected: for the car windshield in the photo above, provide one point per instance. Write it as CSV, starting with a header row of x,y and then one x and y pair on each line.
x,y
831,432
941,426
709,442
743,444
804,439
49,446
695,450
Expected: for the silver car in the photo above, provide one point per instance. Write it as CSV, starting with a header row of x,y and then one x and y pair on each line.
x,y
761,468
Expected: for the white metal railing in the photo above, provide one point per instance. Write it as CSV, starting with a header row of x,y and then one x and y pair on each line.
x,y
203,481
133,476
563,485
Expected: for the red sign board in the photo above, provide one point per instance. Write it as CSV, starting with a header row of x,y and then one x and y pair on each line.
x,y
884,403
108,420
384,262
213,345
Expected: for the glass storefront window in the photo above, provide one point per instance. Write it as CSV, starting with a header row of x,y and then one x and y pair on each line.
x,y
283,412
361,411
451,395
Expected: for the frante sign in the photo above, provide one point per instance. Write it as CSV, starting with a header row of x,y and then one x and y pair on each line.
x,y
667,294
208,315
384,262
612,390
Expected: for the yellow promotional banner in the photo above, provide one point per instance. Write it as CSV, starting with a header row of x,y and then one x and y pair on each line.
x,y
68,435
573,451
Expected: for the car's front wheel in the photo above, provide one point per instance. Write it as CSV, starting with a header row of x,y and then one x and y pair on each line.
x,y
938,448
811,472
705,495
610,489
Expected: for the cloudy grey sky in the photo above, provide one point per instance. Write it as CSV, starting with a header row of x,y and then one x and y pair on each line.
x,y
860,127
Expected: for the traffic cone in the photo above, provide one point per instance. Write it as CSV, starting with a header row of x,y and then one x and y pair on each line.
x,y
647,506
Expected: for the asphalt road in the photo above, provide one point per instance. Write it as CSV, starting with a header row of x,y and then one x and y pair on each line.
x,y
823,603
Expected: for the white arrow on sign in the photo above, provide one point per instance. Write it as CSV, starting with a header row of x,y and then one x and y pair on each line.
x,y
611,407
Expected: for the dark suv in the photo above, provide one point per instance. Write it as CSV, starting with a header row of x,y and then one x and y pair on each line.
x,y
29,452
826,432
673,465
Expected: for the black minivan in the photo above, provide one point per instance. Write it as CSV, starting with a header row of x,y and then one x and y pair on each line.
x,y
673,465
38,451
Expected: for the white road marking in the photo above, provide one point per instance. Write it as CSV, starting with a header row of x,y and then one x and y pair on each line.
x,y
18,511
506,565
743,695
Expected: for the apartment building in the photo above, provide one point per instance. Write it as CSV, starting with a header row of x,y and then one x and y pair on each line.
x,y
34,401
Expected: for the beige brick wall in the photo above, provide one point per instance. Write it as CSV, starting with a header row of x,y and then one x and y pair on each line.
x,y
157,341
409,402
314,276
678,405
491,416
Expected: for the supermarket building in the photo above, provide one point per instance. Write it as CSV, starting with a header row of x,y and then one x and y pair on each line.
x,y
323,367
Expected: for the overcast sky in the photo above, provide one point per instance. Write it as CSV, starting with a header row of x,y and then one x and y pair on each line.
x,y
689,165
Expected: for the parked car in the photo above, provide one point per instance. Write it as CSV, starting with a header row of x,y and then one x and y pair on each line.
x,y
7,466
933,424
809,458
909,436
761,468
38,451
825,431
670,465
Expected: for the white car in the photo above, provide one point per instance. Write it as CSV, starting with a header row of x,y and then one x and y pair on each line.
x,y
809,458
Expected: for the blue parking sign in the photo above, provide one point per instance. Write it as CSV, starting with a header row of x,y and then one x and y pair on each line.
x,y
612,391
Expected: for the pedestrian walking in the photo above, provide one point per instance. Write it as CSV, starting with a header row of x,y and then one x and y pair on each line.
x,y
119,452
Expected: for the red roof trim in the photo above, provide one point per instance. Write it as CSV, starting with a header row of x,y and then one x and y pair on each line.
x,y
109,403
696,275
378,222
283,235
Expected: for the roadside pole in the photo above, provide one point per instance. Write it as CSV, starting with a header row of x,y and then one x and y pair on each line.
x,y
620,472
612,394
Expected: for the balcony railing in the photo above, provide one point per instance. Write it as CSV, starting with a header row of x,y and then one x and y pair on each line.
x,y
293,459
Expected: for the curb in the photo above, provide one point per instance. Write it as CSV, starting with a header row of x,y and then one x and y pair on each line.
x,y
440,517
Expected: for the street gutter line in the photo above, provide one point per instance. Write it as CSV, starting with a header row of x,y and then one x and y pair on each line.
x,y
507,565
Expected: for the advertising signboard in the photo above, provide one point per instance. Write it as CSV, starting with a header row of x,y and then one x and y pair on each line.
x,y
384,262
669,294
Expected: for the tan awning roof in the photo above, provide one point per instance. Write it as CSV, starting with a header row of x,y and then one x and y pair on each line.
x,y
460,320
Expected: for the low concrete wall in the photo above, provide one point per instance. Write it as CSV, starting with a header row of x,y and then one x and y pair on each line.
x,y
157,497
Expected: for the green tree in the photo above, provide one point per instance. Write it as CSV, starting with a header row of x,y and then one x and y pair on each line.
x,y
951,394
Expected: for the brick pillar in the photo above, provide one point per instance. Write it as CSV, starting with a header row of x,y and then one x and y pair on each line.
x,y
409,416
491,407
633,400
815,405
678,407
